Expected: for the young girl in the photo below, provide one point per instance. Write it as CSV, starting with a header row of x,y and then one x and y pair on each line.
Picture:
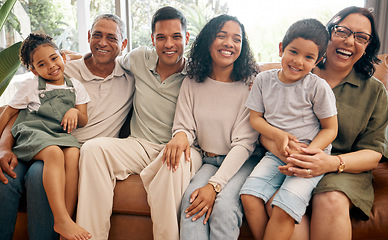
x,y
50,107
211,112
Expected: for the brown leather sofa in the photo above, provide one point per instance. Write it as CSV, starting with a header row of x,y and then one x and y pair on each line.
x,y
131,214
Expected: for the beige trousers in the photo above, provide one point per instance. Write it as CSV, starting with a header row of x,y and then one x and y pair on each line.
x,y
105,160
165,190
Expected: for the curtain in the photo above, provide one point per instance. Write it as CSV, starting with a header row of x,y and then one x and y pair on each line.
x,y
379,9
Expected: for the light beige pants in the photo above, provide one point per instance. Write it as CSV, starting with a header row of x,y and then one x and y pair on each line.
x,y
105,160
165,190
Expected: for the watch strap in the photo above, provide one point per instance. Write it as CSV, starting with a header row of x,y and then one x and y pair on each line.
x,y
341,165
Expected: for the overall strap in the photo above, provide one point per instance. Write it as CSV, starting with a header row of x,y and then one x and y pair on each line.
x,y
42,83
69,83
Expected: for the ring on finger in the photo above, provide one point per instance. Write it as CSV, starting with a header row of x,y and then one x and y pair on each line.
x,y
206,208
308,171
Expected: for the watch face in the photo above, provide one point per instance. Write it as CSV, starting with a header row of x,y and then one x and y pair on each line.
x,y
217,187
341,168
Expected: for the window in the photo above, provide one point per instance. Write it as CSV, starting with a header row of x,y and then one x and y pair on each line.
x,y
68,20
265,21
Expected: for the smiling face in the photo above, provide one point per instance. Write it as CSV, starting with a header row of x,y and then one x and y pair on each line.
x,y
343,53
226,47
170,39
105,41
298,59
48,63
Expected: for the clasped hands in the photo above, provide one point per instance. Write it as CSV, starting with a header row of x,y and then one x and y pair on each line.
x,y
301,161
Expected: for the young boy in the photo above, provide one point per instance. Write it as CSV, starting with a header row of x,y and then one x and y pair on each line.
x,y
290,104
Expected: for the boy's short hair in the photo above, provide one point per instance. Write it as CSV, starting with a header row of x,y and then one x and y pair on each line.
x,y
30,44
114,18
168,13
309,29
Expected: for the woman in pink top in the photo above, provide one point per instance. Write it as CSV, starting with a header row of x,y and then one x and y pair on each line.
x,y
211,113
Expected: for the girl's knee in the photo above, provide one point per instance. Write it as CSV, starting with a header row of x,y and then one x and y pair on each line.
x,y
71,151
49,153
71,155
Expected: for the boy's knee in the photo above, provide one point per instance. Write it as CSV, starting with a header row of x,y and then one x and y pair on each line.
x,y
246,199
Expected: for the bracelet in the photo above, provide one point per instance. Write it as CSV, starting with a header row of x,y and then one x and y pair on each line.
x,y
341,165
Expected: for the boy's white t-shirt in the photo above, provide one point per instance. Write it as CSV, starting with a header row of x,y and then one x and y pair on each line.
x,y
27,95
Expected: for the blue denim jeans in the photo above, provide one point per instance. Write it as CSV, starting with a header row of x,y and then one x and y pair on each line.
x,y
40,217
226,218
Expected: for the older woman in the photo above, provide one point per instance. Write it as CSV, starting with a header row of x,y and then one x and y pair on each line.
x,y
347,189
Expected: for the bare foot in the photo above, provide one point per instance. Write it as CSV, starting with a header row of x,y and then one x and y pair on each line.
x,y
71,231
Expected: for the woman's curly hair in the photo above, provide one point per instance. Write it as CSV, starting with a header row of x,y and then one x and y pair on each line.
x,y
200,61
30,44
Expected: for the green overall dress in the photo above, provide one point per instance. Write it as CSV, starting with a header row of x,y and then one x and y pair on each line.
x,y
36,130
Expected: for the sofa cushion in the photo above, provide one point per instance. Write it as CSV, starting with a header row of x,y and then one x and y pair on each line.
x,y
382,70
130,197
377,226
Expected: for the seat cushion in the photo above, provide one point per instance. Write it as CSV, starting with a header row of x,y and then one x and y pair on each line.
x,y
130,197
377,226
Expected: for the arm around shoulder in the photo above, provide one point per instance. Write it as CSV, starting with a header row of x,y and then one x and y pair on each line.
x,y
6,115
8,160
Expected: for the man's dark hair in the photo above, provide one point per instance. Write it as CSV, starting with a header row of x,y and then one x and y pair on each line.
x,y
168,13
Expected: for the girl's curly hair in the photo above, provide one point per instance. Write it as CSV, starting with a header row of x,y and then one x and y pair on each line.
x,y
30,44
200,61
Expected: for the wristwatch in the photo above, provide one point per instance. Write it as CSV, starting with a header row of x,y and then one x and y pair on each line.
x,y
341,166
216,186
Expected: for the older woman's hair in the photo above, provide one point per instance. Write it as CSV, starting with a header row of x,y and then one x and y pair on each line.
x,y
114,18
365,65
200,61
